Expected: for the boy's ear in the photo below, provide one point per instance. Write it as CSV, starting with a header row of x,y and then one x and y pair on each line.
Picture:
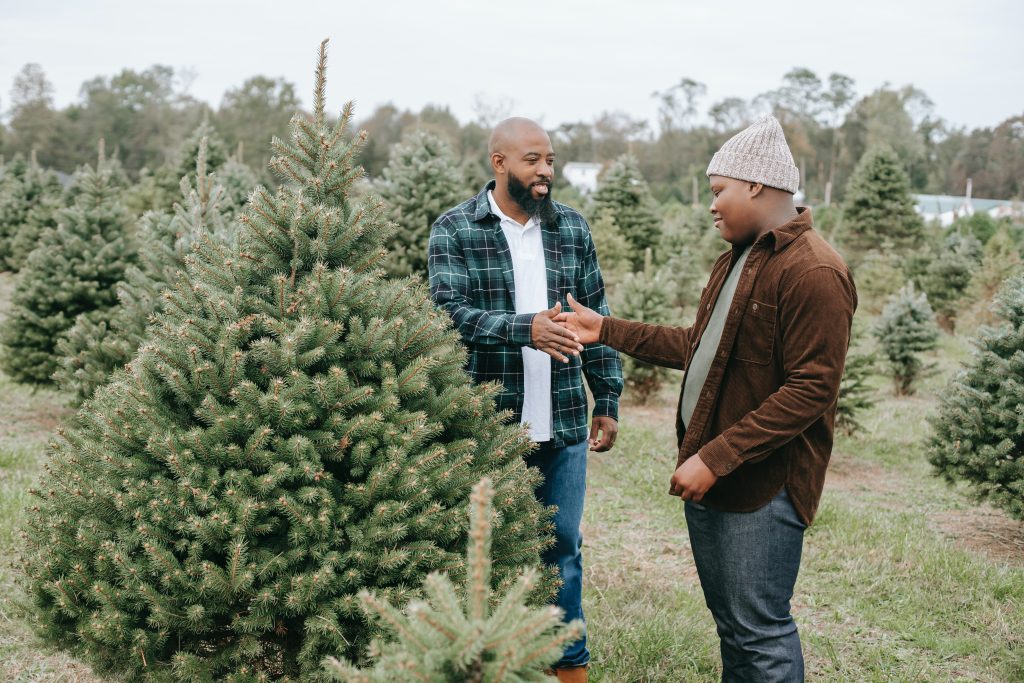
x,y
755,189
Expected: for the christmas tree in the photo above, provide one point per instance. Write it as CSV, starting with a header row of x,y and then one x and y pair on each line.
x,y
1000,261
294,429
948,273
29,201
855,394
879,207
644,297
472,638
98,344
421,181
978,434
613,249
905,329
72,272
623,193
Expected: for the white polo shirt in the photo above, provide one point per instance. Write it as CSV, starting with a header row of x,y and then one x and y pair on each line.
x,y
531,284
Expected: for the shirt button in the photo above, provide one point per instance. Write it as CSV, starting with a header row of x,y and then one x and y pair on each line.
x,y
709,307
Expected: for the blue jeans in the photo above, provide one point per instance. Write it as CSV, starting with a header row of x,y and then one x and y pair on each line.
x,y
747,563
564,485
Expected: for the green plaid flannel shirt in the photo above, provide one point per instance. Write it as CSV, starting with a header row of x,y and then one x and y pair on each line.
x,y
471,278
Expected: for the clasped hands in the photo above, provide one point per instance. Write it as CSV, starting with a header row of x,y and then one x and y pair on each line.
x,y
693,478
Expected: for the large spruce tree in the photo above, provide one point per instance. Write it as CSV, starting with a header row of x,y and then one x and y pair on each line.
x,y
295,429
30,198
978,434
98,344
624,194
72,272
879,209
421,181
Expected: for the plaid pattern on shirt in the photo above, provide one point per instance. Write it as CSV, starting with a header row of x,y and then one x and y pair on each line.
x,y
471,278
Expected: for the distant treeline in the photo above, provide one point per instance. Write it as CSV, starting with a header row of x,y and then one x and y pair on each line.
x,y
146,115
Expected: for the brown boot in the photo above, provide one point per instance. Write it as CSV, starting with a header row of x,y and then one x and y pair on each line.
x,y
575,674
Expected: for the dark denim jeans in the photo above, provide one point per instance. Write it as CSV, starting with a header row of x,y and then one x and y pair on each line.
x,y
565,483
748,563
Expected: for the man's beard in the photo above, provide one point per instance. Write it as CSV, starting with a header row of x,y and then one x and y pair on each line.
x,y
542,209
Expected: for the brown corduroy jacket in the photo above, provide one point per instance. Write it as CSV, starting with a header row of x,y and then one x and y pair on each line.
x,y
766,413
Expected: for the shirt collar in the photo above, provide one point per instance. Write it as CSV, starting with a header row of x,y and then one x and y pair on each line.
x,y
789,231
496,210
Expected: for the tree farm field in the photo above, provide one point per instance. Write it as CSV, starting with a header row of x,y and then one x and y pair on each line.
x,y
904,578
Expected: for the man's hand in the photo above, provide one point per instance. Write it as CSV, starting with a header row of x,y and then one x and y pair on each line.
x,y
608,428
692,480
584,322
552,338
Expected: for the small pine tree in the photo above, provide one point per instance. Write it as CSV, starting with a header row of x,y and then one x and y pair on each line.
x,y
879,275
30,198
294,429
72,272
614,251
855,394
475,638
905,329
948,274
1000,261
978,433
624,194
99,343
644,297
421,181
879,207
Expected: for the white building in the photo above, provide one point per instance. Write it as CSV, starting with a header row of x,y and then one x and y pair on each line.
x,y
582,175
946,208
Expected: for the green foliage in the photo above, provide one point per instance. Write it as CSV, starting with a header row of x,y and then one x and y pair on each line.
x,y
879,207
644,297
856,396
905,329
687,248
29,201
978,433
1000,261
948,274
73,271
614,252
477,637
294,429
624,194
979,224
421,181
879,275
98,344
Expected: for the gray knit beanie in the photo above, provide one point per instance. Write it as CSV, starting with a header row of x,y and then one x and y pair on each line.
x,y
758,154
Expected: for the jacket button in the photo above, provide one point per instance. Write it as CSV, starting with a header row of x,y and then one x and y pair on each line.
x,y
709,307
755,307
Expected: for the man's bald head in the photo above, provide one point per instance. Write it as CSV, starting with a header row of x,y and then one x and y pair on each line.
x,y
511,133
523,162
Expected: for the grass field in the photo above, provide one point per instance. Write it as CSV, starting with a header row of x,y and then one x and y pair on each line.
x,y
903,578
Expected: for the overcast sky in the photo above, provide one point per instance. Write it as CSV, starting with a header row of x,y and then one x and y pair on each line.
x,y
558,61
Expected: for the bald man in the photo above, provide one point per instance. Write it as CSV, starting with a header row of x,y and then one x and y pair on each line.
x,y
502,264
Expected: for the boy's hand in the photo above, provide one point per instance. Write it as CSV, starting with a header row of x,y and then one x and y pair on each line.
x,y
692,480
584,322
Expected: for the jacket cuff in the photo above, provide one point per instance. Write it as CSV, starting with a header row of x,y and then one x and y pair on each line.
x,y
521,329
606,405
610,331
719,456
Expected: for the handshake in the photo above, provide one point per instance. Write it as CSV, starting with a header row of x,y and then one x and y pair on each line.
x,y
562,334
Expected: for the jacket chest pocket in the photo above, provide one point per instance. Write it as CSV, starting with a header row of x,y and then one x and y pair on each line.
x,y
755,339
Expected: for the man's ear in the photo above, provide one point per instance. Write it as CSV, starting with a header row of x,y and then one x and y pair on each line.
x,y
498,163
755,189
